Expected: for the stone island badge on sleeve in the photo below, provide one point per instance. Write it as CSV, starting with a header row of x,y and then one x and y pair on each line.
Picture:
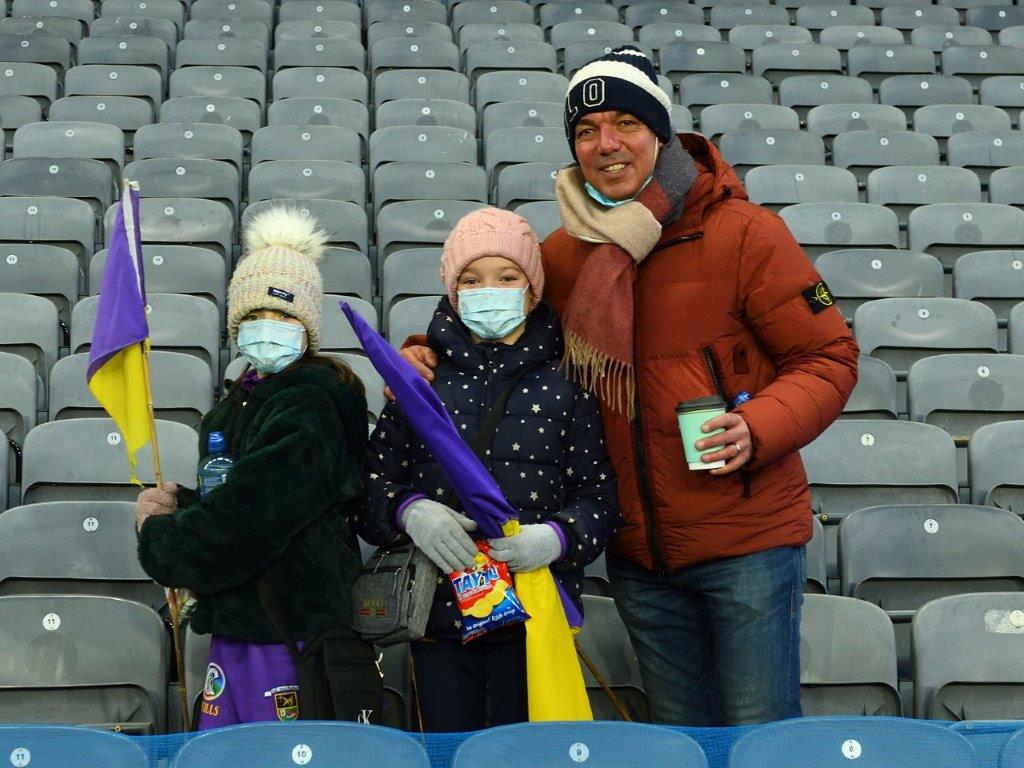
x,y
819,297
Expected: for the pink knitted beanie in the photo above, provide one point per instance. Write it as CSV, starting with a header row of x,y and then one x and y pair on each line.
x,y
491,232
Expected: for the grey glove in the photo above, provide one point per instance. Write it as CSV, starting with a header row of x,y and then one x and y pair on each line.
x,y
440,532
535,546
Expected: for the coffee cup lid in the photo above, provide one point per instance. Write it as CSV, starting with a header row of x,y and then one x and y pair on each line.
x,y
701,404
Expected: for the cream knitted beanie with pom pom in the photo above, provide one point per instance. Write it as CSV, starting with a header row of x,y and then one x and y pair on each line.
x,y
279,271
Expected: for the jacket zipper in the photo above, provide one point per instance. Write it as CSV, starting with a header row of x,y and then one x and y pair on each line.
x,y
716,381
677,240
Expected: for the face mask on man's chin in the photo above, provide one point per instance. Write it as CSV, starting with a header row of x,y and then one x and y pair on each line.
x,y
608,202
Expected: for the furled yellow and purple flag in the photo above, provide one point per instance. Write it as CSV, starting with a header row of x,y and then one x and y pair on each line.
x,y
117,364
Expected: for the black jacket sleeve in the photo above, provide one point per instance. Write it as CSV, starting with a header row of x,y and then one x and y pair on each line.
x,y
301,459
591,512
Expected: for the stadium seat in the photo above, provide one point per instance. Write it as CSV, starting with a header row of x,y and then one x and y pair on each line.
x,y
704,90
129,113
16,111
181,391
820,227
408,317
607,646
876,395
421,84
874,63
689,58
520,114
659,34
976,62
566,33
219,81
748,148
816,565
225,53
236,112
526,182
186,177
948,230
967,659
202,29
1006,185
500,56
936,38
904,187
1015,329
83,140
650,12
578,55
1006,91
996,478
601,745
802,92
901,331
818,17
307,179
80,10
496,12
430,112
717,119
310,110
1012,755
776,186
53,52
134,50
415,223
829,120
405,10
31,330
945,120
115,80
421,143
846,37
347,271
993,18
984,151
322,82
60,745
41,270
344,223
83,659
337,333
728,17
301,742
318,30
506,146
551,14
779,61
372,382
320,10
393,182
201,141
871,742
542,215
183,221
63,222
70,29
495,87
405,53
26,79
74,547
750,36
306,142
513,33
232,10
847,658
863,151
136,26
908,92
995,278
19,403
858,275
908,17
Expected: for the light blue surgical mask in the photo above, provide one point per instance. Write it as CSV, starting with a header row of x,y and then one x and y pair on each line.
x,y
270,346
492,313
609,202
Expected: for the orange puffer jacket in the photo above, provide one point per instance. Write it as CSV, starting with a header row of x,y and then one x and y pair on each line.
x,y
727,302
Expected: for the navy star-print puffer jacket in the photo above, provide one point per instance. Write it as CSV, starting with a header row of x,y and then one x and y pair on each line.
x,y
548,454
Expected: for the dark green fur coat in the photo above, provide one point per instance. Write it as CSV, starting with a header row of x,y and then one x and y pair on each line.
x,y
298,438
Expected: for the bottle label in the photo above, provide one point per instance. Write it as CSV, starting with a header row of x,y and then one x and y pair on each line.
x,y
209,482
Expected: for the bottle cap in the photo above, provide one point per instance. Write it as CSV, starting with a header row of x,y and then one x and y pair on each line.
x,y
216,442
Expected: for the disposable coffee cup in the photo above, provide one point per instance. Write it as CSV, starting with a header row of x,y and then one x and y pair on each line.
x,y
691,415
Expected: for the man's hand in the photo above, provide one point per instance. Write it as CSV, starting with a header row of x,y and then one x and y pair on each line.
x,y
423,359
735,442
155,501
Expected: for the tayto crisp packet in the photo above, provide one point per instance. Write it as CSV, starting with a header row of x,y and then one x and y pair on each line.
x,y
486,595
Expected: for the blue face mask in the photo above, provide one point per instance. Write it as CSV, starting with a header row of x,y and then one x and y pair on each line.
x,y
270,346
608,202
492,313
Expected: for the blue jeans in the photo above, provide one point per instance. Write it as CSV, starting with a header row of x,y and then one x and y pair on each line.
x,y
719,642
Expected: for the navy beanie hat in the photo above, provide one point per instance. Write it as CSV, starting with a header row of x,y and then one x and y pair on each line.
x,y
623,80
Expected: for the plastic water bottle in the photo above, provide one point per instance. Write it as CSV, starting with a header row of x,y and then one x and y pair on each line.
x,y
214,467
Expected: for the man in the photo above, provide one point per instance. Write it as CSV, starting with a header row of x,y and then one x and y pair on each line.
x,y
672,286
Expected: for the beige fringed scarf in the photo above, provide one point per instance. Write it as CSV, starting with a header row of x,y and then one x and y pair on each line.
x,y
598,319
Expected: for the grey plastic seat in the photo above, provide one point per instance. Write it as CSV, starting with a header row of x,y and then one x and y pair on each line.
x,y
129,113
393,182
80,10
686,58
316,30
819,17
244,115
727,17
345,224
846,37
70,29
902,331
828,120
307,110
659,34
95,141
187,177
681,119
543,216
115,80
184,269
816,561
180,220
323,82
372,382
904,187
135,26
802,92
912,91
1015,330
521,114
876,395
85,179
995,278
514,32
54,52
74,547
232,10
181,389
936,38
526,182
498,12
347,271
977,62
745,149
130,49
996,478
847,658
337,333
820,227
968,664
907,17
607,32
1005,91
202,29
1012,36
750,36
85,460
947,230
189,140
606,643
984,151
858,275
875,63
26,79
306,142
578,55
222,52
410,272
302,179
863,151
406,53
206,81
405,10
16,111
421,143
654,12
994,18
176,323
431,112
67,223
775,186
707,90
417,223
320,10
19,393
551,14
777,62
421,84
506,146
409,316
945,120
107,662
495,87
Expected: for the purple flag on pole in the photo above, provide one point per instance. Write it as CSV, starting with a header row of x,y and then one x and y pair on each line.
x,y
483,500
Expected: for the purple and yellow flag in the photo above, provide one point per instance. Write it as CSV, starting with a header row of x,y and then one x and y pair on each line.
x,y
117,372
